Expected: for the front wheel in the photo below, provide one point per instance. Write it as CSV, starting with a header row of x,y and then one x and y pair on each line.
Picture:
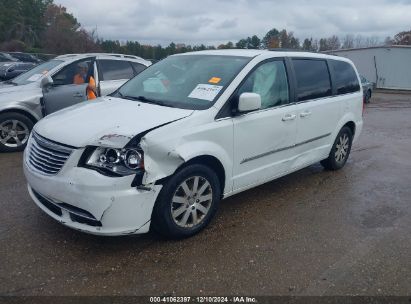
x,y
187,202
340,150
15,130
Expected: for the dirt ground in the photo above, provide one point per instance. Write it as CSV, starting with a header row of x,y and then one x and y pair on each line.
x,y
314,232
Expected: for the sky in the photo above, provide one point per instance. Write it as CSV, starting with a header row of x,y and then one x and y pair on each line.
x,y
212,22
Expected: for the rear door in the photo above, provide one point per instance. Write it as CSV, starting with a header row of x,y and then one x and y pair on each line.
x,y
318,111
113,74
66,91
264,139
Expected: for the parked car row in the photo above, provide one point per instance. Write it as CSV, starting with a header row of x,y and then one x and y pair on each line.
x,y
53,85
5,57
25,57
10,70
367,88
163,149
13,64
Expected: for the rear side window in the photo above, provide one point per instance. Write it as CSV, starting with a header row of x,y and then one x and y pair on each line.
x,y
346,79
313,79
116,69
138,67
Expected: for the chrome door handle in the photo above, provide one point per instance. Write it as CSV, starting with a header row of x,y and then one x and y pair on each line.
x,y
289,117
305,114
78,94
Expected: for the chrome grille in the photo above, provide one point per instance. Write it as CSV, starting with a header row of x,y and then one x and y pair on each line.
x,y
45,156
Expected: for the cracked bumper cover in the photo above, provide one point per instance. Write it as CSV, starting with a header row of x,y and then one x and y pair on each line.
x,y
120,208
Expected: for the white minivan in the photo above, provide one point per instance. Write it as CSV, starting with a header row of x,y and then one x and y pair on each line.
x,y
166,147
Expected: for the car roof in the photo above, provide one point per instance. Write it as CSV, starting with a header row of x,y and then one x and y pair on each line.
x,y
112,56
271,53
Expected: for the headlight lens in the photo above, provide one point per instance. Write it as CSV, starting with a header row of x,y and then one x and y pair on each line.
x,y
118,161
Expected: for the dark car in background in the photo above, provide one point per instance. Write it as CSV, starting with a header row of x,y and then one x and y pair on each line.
x,y
4,57
25,57
367,88
9,70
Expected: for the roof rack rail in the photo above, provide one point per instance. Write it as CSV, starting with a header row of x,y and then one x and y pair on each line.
x,y
102,54
290,50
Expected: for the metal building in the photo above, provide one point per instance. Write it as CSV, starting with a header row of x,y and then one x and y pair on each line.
x,y
388,67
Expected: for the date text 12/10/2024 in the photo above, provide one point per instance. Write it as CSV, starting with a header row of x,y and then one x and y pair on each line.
x,y
202,299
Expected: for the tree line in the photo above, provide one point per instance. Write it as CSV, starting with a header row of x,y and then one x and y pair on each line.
x,y
42,26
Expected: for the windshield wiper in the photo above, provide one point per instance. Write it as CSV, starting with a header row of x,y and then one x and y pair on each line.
x,y
116,93
146,100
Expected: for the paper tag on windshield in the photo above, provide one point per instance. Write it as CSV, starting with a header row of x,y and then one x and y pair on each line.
x,y
205,92
35,77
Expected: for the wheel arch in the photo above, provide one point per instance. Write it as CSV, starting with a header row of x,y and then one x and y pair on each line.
x,y
352,127
30,115
210,161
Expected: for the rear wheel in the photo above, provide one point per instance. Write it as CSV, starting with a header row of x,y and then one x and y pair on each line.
x,y
187,202
15,129
340,150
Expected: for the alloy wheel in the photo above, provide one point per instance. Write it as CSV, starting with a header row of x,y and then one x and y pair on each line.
x,y
191,202
13,133
342,148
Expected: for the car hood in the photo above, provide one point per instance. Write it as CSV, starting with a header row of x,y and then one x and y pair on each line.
x,y
106,121
6,88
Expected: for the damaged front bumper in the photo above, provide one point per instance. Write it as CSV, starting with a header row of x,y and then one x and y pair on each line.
x,y
88,201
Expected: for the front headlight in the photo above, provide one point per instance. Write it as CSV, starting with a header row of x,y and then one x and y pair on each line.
x,y
118,161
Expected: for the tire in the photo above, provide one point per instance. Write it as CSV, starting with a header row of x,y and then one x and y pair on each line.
x,y
15,129
338,156
368,96
176,208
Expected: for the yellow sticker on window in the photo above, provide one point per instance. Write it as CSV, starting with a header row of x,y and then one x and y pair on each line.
x,y
214,80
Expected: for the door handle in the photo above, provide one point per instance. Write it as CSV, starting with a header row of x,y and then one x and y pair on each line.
x,y
78,94
305,114
289,117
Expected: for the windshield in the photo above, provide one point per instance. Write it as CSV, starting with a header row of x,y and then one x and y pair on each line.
x,y
185,81
36,73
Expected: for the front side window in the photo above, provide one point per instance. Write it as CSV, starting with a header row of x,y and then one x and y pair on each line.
x,y
184,81
346,79
77,73
115,69
269,80
36,73
313,79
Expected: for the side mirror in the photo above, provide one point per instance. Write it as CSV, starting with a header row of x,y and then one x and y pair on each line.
x,y
46,81
249,102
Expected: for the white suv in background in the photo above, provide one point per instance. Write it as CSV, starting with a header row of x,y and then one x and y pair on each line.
x,y
50,87
188,131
